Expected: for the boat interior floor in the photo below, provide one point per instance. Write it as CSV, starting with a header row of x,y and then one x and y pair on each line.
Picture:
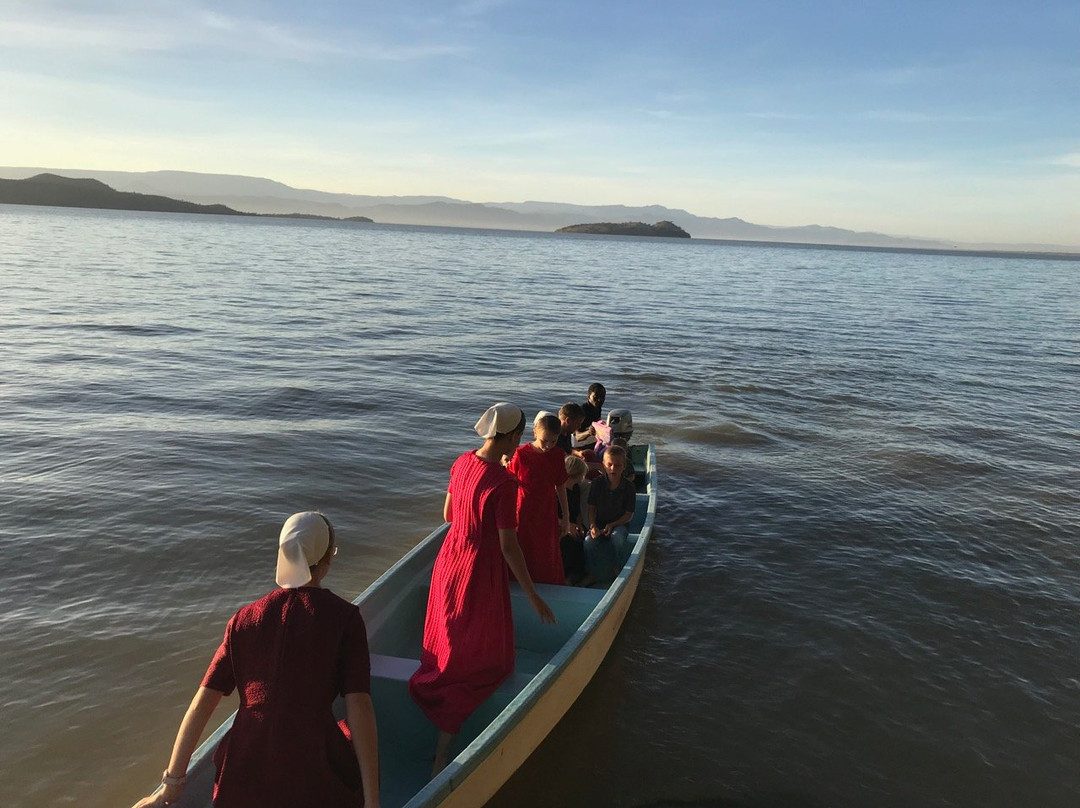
x,y
407,739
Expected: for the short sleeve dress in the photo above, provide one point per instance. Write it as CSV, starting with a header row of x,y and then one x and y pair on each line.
x,y
538,474
469,629
290,654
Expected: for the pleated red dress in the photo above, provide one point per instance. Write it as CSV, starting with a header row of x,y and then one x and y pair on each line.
x,y
469,630
538,474
290,654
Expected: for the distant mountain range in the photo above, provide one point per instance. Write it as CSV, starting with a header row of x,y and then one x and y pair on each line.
x,y
264,196
85,192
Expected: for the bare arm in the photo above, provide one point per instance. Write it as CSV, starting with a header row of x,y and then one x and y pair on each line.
x,y
585,434
564,509
622,520
187,738
447,509
365,739
590,522
511,551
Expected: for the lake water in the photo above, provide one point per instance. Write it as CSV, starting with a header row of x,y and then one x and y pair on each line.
x,y
864,586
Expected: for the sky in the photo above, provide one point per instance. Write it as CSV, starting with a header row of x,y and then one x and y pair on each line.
x,y
947,119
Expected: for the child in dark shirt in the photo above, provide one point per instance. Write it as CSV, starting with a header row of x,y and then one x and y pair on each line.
x,y
611,507
571,417
592,410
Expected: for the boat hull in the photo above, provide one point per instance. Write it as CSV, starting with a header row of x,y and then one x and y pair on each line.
x,y
553,666
480,785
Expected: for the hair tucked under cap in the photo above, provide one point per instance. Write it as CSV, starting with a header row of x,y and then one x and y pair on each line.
x,y
498,419
540,414
304,540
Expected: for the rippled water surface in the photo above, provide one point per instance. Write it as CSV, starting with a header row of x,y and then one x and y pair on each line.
x,y
864,588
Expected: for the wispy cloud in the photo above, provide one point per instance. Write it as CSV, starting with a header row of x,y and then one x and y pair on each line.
x,y
254,35
777,115
922,117
476,8
81,33
903,75
107,32
1072,160
263,37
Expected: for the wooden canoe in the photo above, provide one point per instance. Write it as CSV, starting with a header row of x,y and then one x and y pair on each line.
x,y
553,665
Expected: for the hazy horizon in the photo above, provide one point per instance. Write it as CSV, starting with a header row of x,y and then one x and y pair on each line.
x,y
955,123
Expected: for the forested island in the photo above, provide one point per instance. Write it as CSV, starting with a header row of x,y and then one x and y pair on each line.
x,y
67,192
665,228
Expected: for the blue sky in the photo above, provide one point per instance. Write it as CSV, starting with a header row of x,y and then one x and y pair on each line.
x,y
956,120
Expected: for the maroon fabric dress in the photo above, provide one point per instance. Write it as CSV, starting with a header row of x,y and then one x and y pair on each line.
x,y
537,510
469,630
290,654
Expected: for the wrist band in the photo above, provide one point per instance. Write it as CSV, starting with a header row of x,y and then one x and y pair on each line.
x,y
168,780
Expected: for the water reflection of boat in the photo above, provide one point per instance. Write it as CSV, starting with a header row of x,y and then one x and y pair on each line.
x,y
553,665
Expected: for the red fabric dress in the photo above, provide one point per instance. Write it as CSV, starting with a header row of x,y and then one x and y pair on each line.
x,y
538,474
290,654
469,630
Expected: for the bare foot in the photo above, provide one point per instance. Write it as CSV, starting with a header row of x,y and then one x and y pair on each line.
x,y
442,753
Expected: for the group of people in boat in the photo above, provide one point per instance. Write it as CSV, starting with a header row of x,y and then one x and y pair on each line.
x,y
526,511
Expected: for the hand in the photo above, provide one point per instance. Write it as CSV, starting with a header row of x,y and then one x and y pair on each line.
x,y
577,531
163,795
543,611
606,531
594,532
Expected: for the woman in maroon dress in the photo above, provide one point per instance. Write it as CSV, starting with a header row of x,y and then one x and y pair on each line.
x,y
288,655
469,630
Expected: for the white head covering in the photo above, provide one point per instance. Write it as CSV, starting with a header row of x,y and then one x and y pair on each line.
x,y
540,415
301,545
497,419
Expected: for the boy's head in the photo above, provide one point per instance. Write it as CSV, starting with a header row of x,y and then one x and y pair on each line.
x,y
597,394
614,460
571,416
546,431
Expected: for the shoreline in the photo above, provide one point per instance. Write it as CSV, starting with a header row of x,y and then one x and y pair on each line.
x,y
959,251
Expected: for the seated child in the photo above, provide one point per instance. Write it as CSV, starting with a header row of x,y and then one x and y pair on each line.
x,y
592,410
628,472
612,500
577,498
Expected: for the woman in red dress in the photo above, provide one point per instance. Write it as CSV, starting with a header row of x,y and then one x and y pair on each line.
x,y
469,629
540,468
288,655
